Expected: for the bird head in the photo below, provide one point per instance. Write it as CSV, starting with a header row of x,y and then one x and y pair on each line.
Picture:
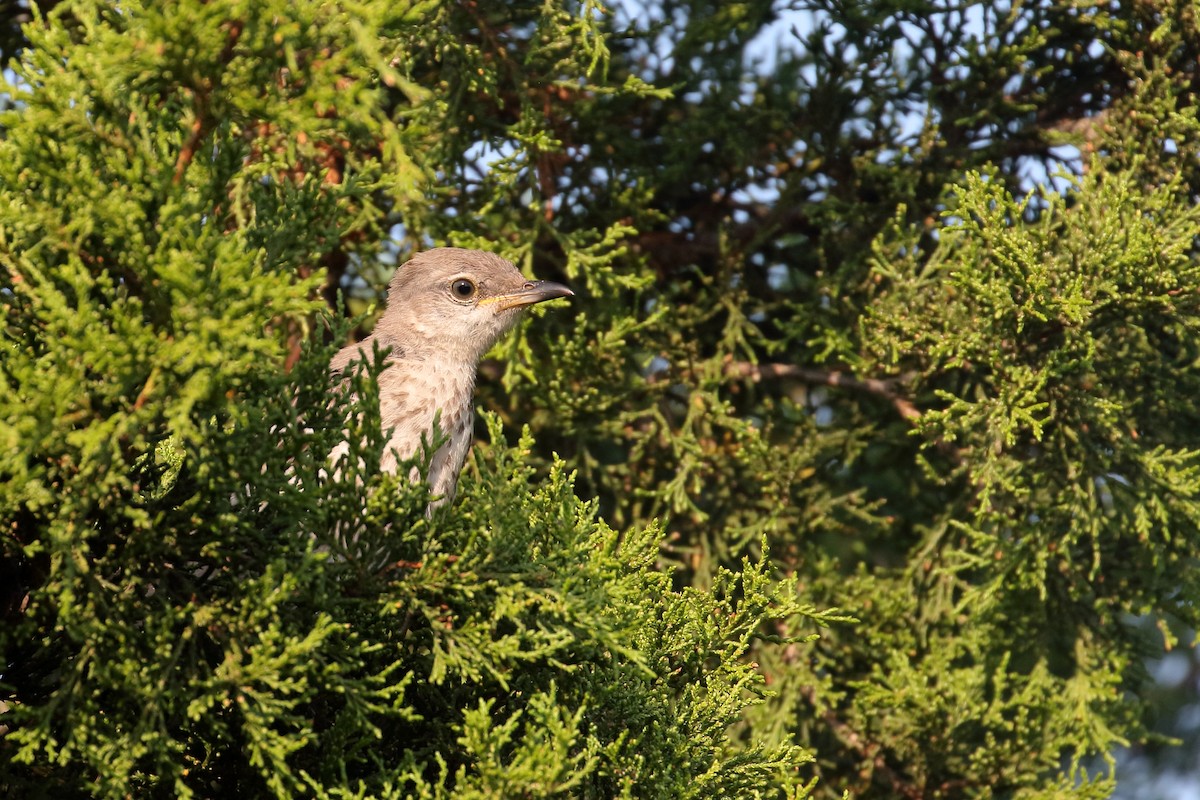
x,y
458,302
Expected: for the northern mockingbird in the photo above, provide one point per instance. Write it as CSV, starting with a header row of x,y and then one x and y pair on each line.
x,y
445,309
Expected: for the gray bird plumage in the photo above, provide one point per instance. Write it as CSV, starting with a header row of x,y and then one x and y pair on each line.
x,y
446,307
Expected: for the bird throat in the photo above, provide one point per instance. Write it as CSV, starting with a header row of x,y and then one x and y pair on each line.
x,y
414,395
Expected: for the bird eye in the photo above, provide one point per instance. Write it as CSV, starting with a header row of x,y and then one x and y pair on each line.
x,y
463,289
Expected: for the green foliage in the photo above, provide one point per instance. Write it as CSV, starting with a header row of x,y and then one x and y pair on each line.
x,y
198,608
1083,482
840,291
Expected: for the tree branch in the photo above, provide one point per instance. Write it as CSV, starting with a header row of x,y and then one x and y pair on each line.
x,y
869,751
203,122
881,388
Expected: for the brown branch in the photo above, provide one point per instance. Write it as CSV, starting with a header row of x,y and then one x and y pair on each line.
x,y
869,751
199,128
669,250
203,122
884,389
881,388
147,389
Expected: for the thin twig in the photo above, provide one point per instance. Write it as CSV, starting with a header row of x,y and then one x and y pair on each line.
x,y
203,122
871,751
881,388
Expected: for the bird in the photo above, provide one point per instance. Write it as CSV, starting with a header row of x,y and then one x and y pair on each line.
x,y
446,307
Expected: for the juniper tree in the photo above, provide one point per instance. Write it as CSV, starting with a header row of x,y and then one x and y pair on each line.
x,y
177,185
822,306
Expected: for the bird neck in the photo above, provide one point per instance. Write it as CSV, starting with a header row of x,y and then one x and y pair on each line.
x,y
443,367
438,341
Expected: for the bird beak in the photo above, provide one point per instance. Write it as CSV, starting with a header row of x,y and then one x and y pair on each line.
x,y
530,293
